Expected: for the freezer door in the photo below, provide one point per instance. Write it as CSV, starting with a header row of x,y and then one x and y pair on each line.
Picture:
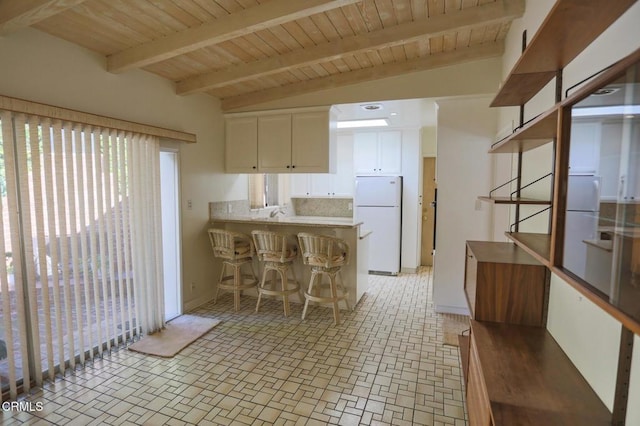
x,y
583,193
384,244
378,190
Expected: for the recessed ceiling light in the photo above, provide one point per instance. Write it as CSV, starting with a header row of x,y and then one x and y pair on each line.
x,y
605,91
371,107
393,114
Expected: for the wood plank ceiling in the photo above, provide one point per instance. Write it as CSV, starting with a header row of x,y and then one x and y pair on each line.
x,y
251,51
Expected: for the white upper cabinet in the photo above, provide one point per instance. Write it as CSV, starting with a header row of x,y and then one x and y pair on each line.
x,y
241,147
378,152
313,142
293,141
274,143
338,184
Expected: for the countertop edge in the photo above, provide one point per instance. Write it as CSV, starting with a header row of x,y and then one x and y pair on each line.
x,y
288,222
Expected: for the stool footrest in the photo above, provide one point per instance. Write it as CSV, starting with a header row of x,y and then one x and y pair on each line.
x,y
279,292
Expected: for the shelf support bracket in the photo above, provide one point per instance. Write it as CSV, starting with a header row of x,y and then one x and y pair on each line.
x,y
514,226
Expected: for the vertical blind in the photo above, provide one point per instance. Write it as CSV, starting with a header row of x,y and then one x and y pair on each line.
x,y
81,236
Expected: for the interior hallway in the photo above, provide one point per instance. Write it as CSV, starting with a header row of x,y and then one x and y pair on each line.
x,y
385,364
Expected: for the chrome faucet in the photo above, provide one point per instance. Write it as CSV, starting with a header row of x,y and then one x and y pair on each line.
x,y
278,210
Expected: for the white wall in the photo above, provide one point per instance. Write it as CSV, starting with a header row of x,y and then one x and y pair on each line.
x,y
411,191
466,128
429,141
587,334
41,68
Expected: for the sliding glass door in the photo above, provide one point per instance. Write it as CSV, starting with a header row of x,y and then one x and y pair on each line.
x,y
82,245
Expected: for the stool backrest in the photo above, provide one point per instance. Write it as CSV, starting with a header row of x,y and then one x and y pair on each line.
x,y
230,245
323,250
273,246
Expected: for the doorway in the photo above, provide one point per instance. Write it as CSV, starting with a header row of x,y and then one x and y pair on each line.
x,y
169,186
428,210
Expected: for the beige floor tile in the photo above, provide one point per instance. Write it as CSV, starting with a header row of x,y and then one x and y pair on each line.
x,y
385,364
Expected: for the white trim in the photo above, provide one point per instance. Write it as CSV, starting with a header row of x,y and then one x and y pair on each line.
x,y
446,309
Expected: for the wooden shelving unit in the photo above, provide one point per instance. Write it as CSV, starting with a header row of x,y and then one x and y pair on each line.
x,y
537,245
518,374
568,29
509,200
537,132
511,356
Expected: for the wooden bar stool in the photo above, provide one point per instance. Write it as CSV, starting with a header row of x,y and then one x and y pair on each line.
x,y
326,256
278,253
236,250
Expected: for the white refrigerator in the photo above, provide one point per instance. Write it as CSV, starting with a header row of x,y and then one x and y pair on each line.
x,y
378,203
583,205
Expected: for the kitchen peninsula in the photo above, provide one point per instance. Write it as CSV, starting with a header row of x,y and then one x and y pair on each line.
x,y
354,275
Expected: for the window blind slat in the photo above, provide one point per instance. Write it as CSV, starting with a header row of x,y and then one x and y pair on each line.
x,y
93,232
11,207
16,242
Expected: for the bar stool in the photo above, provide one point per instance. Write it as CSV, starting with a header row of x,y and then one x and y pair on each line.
x,y
236,250
326,256
278,254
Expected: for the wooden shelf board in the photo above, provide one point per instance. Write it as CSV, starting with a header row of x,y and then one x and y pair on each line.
x,y
463,345
517,89
509,200
539,131
531,381
568,29
537,245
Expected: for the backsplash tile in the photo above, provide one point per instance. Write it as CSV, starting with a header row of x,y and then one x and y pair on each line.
x,y
218,208
332,207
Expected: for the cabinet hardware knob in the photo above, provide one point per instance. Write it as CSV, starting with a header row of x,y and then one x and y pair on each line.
x,y
288,166
254,167
293,167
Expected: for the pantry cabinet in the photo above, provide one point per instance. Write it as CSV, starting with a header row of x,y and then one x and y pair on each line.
x,y
378,152
283,141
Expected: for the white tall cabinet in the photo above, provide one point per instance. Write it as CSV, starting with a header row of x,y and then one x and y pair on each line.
x,y
378,152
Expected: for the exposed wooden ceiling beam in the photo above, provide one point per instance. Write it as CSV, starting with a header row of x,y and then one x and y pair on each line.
x,y
486,14
265,15
16,14
475,53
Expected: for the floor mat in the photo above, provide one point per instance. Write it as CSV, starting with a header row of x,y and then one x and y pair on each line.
x,y
178,334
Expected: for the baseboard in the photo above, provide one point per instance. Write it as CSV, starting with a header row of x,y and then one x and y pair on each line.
x,y
446,309
190,306
408,270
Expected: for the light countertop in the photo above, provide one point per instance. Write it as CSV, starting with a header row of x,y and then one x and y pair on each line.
x,y
317,221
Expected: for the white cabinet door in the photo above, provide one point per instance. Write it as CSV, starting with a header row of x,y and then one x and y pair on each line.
x,y
609,160
584,155
365,152
378,152
390,152
300,185
343,180
274,143
321,184
311,148
241,145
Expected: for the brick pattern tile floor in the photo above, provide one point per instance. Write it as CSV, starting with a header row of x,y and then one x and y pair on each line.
x,y
384,365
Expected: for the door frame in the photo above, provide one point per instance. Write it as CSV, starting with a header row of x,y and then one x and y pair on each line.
x,y
178,237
